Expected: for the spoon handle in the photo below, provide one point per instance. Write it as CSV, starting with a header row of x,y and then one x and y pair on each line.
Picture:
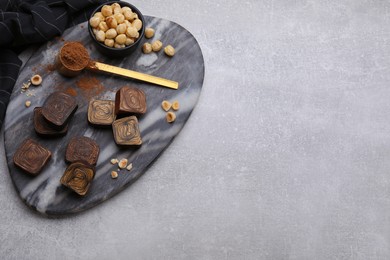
x,y
133,74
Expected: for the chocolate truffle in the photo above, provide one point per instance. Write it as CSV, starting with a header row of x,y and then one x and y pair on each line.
x,y
58,108
130,101
78,177
31,157
43,128
126,131
82,148
101,112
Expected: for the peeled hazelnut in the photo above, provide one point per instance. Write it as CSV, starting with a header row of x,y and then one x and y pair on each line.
x,y
137,23
120,39
170,117
114,174
114,161
109,42
119,18
36,80
129,167
157,45
106,10
122,163
132,32
116,45
94,21
111,22
147,48
111,33
128,14
28,103
175,105
100,36
149,32
121,28
103,26
169,50
166,105
126,8
129,41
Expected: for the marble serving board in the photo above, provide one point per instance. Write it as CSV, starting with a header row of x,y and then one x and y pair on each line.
x,y
44,192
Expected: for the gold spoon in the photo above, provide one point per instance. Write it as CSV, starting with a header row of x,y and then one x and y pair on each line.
x,y
98,66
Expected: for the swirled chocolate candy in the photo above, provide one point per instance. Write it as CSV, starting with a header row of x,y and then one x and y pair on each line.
x,y
78,177
126,131
31,157
130,101
101,112
82,148
58,108
43,128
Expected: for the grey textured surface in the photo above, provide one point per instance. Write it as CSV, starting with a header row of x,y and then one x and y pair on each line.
x,y
286,156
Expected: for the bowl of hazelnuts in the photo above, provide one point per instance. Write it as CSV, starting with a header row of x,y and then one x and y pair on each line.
x,y
116,28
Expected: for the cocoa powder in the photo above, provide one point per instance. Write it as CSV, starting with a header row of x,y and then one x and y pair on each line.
x,y
74,56
90,87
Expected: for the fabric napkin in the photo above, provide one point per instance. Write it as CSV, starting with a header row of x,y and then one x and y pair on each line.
x,y
23,23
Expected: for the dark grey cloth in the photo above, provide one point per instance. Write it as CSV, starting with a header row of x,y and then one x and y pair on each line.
x,y
23,23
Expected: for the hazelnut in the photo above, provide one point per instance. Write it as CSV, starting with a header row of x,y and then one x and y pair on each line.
x,y
100,36
149,32
111,33
36,80
169,50
120,39
121,28
119,18
132,32
170,117
147,48
109,42
106,10
157,45
137,23
111,22
94,21
175,105
166,105
103,26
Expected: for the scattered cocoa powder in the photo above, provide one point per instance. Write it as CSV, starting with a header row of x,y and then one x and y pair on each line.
x,y
71,91
50,67
74,56
90,86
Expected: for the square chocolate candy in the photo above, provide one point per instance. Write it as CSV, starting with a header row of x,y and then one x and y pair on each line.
x,y
82,148
43,128
126,131
101,112
78,177
130,101
58,108
31,157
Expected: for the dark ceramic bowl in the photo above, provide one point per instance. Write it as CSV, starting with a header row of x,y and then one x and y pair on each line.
x,y
118,52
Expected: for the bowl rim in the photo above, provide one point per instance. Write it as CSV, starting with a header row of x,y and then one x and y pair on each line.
x,y
134,9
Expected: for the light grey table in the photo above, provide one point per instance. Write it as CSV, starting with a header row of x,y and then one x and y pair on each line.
x,y
286,156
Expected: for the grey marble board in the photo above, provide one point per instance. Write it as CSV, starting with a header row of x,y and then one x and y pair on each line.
x,y
44,192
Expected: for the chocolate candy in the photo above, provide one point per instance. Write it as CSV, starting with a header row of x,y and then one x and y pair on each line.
x,y
58,109
78,177
43,128
82,148
31,157
101,112
130,101
126,131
